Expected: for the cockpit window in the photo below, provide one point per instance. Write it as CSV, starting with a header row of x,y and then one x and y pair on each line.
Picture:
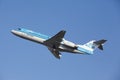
x,y
19,28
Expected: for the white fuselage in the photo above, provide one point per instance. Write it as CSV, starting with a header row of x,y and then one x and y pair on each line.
x,y
65,45
27,36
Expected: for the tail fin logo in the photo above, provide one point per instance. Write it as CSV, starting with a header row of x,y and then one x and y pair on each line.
x,y
90,44
96,44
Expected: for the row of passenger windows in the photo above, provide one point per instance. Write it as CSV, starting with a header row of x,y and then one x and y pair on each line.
x,y
29,32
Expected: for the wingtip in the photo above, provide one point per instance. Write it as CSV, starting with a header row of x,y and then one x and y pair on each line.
x,y
104,40
63,31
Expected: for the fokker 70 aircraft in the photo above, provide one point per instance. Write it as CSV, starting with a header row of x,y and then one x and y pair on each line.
x,y
57,43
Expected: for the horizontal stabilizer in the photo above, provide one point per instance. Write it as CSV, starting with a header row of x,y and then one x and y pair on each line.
x,y
100,47
100,43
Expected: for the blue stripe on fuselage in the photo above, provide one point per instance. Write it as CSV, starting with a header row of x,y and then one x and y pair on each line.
x,y
85,51
32,33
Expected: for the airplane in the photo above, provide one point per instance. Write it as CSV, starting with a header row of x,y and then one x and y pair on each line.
x,y
58,43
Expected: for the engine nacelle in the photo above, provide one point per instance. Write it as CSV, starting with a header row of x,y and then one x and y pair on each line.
x,y
69,44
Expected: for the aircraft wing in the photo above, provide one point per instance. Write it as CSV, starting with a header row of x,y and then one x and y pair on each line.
x,y
55,52
54,41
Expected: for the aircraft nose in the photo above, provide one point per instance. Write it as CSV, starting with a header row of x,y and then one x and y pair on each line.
x,y
13,31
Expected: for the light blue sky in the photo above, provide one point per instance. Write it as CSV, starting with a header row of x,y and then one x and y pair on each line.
x,y
83,20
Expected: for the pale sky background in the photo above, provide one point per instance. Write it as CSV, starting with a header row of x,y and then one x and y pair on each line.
x,y
83,20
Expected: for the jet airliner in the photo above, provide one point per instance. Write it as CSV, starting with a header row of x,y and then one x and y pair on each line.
x,y
58,43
